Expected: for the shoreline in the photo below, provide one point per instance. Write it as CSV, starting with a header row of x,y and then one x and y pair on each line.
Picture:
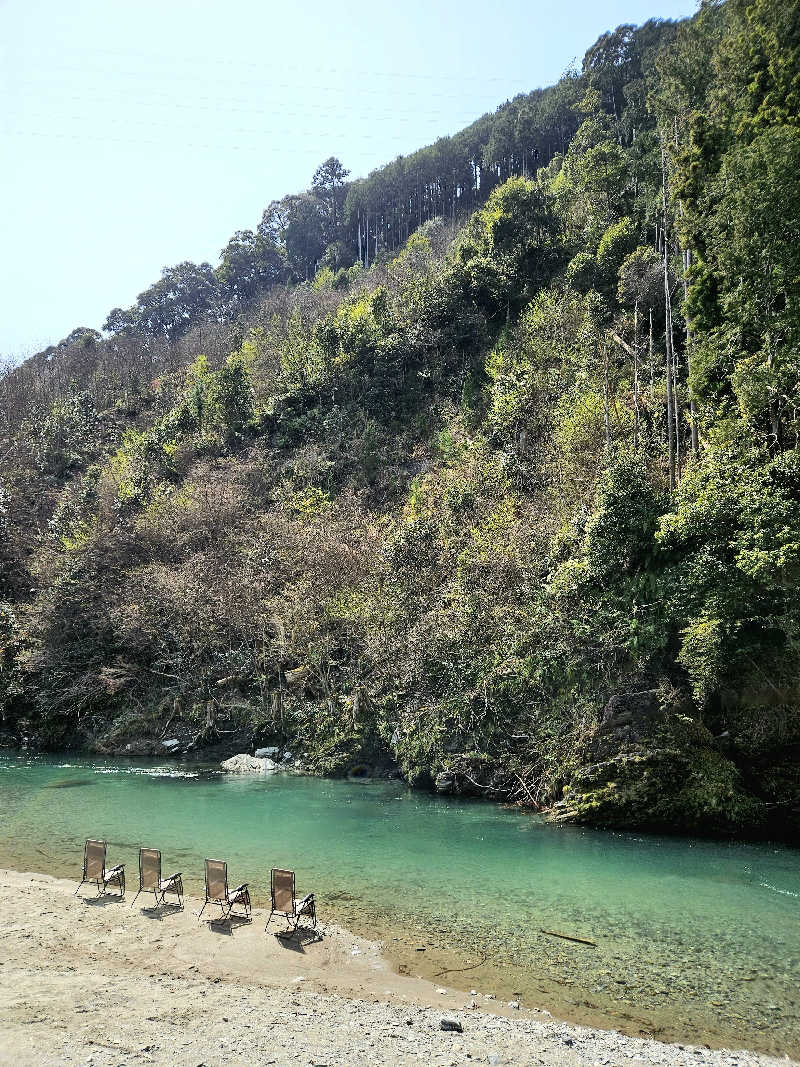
x,y
82,977
642,975
442,953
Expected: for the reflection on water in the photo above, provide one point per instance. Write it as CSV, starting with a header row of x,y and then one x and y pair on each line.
x,y
694,939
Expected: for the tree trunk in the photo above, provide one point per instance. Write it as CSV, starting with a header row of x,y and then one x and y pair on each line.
x,y
636,375
668,331
605,402
687,262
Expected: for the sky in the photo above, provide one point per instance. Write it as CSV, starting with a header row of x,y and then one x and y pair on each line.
x,y
136,135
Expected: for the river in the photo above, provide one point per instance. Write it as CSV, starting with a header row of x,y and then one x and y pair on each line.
x,y
694,939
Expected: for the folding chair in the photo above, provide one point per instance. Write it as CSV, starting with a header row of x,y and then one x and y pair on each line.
x,y
94,869
286,904
150,878
217,891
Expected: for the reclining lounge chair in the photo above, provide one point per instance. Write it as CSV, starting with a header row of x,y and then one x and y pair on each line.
x,y
150,878
94,869
286,904
217,891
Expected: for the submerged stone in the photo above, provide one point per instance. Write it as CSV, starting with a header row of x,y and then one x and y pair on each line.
x,y
70,783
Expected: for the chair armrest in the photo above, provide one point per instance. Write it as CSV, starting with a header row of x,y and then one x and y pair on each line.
x,y
304,900
238,889
115,870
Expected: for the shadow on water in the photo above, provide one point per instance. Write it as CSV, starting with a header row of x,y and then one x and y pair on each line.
x,y
70,783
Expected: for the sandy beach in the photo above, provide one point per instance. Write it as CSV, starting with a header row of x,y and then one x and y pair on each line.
x,y
94,980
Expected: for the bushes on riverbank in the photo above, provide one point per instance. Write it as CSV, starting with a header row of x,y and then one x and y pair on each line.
x,y
514,511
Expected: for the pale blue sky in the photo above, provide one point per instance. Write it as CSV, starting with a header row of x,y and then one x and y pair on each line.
x,y
136,135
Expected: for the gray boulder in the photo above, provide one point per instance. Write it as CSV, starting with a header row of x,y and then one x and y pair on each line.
x,y
446,1023
246,764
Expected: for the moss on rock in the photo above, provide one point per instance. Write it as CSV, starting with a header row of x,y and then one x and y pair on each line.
x,y
659,770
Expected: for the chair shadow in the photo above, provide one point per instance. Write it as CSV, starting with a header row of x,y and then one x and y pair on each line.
x,y
228,924
159,911
103,900
296,940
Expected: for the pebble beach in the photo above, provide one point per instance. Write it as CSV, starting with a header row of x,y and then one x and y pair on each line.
x,y
88,980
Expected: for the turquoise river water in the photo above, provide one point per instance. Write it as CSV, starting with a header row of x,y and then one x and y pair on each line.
x,y
695,940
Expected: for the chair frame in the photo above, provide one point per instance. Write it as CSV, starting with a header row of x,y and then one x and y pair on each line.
x,y
305,906
116,875
240,895
173,884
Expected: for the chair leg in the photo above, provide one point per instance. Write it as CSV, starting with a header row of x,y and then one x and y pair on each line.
x,y
137,894
202,909
178,891
175,887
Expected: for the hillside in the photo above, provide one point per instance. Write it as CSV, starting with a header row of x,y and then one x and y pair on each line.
x,y
484,468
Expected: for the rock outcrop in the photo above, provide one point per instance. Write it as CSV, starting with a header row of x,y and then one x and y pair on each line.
x,y
657,768
246,764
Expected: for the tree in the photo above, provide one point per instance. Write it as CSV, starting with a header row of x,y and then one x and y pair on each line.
x,y
507,249
181,298
121,321
84,336
592,188
250,263
328,185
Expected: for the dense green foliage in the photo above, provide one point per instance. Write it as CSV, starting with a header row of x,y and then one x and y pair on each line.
x,y
486,465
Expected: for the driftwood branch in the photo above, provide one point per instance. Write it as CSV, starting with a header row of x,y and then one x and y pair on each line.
x,y
569,937
458,970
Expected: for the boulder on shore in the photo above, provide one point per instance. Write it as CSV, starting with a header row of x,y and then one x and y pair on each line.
x,y
243,763
446,783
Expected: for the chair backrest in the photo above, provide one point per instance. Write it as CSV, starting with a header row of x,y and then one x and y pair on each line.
x,y
216,880
282,889
149,868
94,860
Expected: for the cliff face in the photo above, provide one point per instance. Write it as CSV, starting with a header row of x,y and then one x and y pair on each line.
x,y
514,512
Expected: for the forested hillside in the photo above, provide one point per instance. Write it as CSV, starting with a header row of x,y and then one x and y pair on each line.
x,y
484,467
